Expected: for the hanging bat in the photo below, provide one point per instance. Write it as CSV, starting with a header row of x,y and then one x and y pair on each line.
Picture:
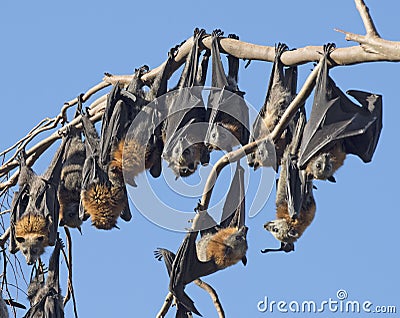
x,y
71,179
103,195
338,127
228,113
281,91
3,307
35,208
220,246
184,128
295,204
44,295
143,144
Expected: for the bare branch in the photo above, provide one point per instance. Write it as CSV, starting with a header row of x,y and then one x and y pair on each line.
x,y
167,304
213,295
367,19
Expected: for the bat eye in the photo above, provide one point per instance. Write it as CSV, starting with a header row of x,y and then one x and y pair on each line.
x,y
24,251
318,165
40,238
239,238
329,167
186,151
214,135
184,171
275,229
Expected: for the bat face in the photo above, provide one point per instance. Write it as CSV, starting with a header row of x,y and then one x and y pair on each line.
x,y
69,215
221,138
31,246
184,160
321,167
282,230
264,156
226,247
324,164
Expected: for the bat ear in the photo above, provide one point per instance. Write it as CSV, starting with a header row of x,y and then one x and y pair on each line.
x,y
332,179
244,260
205,157
20,239
79,229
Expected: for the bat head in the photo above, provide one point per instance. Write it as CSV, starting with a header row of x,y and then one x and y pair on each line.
x,y
220,138
237,243
263,156
32,236
69,215
321,167
32,246
282,230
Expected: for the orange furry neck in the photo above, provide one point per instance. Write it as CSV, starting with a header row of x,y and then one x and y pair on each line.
x,y
216,248
31,224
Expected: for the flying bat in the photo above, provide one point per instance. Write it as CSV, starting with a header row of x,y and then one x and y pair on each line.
x,y
35,208
281,91
221,245
228,113
338,127
185,125
295,204
45,294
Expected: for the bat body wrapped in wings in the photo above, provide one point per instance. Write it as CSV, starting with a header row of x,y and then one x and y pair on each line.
x,y
35,208
281,91
71,179
184,128
45,294
141,149
221,245
338,127
228,113
103,195
295,204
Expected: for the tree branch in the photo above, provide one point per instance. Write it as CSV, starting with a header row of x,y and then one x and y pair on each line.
x,y
213,295
167,304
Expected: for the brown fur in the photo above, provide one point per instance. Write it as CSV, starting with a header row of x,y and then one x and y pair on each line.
x,y
133,162
103,204
217,248
34,225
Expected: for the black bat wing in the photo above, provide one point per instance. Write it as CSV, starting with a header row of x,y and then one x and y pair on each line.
x,y
186,268
233,213
335,117
362,136
18,206
167,255
52,178
295,184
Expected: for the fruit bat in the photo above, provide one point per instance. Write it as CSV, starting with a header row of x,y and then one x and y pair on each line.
x,y
35,208
44,295
295,204
184,128
103,195
338,127
71,178
221,245
143,145
281,91
227,111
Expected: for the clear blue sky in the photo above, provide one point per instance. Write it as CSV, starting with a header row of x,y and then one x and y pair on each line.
x,y
53,51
